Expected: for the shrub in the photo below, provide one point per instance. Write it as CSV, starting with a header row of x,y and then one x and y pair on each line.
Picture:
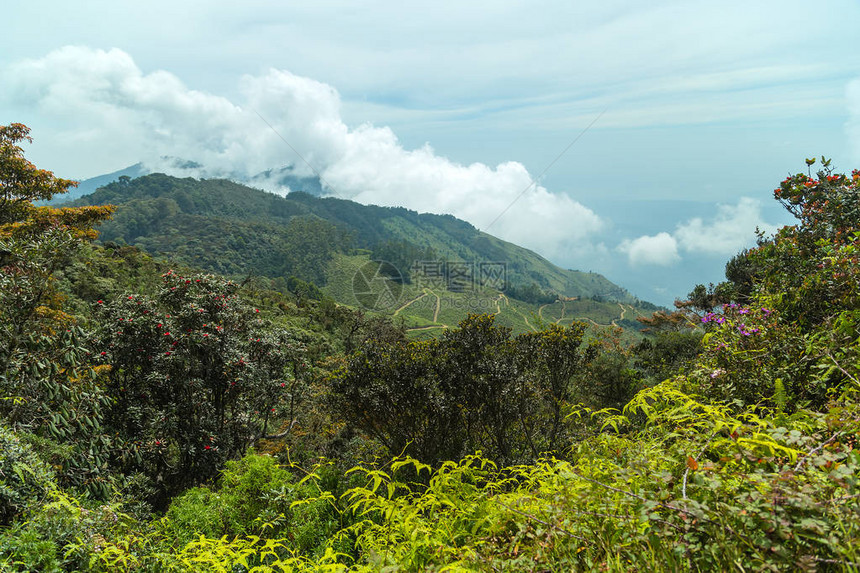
x,y
254,496
25,480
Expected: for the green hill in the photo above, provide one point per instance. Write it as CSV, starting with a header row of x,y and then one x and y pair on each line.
x,y
235,230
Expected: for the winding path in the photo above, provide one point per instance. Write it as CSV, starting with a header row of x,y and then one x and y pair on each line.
x,y
499,306
508,304
436,311
438,307
410,303
444,326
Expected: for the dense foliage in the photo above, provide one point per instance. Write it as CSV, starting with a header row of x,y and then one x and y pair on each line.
x,y
474,388
727,439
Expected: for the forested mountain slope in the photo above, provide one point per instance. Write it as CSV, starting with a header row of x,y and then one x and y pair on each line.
x,y
163,213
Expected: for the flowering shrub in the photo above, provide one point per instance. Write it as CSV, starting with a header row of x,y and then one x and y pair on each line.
x,y
753,357
196,377
809,271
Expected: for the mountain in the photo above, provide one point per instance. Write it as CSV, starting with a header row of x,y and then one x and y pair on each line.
x,y
283,177
88,186
233,229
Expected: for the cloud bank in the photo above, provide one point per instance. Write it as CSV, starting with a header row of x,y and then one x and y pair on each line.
x,y
278,119
660,249
732,228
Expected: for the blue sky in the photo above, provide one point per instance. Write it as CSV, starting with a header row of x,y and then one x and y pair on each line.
x,y
455,107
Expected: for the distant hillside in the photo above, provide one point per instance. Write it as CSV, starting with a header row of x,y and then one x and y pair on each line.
x,y
283,177
236,230
88,186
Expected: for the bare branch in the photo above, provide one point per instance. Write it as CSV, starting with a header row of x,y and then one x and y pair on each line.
x,y
853,379
819,447
283,434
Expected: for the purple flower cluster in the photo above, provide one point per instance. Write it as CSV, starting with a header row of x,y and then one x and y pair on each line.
x,y
738,309
747,332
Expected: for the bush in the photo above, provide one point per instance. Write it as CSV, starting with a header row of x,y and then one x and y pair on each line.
x,y
25,480
255,496
60,535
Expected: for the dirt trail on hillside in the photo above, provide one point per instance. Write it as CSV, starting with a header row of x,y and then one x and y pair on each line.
x,y
524,317
563,310
444,326
499,306
410,303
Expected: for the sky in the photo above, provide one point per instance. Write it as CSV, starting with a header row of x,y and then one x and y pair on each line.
x,y
642,140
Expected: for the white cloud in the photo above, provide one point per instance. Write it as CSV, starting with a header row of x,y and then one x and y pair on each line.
x,y
149,116
660,249
732,229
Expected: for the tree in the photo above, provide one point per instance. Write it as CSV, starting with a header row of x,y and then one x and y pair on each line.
x,y
34,241
45,380
552,363
196,377
475,388
812,265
